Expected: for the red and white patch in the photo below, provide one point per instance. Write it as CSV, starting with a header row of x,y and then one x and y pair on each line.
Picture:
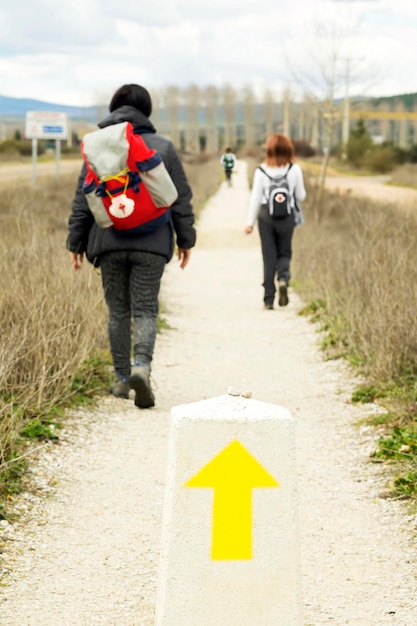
x,y
121,206
280,198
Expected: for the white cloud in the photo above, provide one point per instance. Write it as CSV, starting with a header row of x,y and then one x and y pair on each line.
x,y
71,52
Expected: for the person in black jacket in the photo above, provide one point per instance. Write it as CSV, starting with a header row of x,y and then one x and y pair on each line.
x,y
132,265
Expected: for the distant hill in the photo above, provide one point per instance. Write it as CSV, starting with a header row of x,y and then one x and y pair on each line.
x,y
17,107
409,100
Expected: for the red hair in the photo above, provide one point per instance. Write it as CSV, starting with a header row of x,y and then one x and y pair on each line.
x,y
279,150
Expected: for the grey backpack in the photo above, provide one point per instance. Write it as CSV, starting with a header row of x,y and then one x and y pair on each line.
x,y
278,194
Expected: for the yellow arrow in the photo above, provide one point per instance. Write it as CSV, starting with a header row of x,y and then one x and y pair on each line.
x,y
233,473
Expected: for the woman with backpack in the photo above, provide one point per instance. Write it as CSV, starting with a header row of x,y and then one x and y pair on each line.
x,y
278,187
132,264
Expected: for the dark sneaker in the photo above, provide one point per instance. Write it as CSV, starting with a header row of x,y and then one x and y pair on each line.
x,y
140,381
283,294
119,389
269,306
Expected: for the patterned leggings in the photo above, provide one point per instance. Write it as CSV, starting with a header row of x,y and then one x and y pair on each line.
x,y
131,282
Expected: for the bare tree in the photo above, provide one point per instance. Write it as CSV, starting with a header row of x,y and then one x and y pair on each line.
x,y
286,111
301,120
385,124
331,50
211,95
101,104
229,109
192,99
158,106
249,104
403,125
172,98
269,112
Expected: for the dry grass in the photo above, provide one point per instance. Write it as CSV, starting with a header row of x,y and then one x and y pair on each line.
x,y
204,175
361,261
54,321
357,268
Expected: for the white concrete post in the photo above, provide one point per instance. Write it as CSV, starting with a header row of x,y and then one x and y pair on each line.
x,y
230,541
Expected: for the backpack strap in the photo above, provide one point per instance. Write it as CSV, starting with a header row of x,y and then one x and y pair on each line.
x,y
263,172
271,177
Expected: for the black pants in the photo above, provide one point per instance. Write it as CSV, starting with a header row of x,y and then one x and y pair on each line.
x,y
131,282
276,241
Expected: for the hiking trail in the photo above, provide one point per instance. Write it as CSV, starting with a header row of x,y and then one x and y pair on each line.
x,y
85,551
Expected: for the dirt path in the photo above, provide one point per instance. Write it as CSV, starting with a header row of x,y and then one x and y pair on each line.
x,y
86,550
374,187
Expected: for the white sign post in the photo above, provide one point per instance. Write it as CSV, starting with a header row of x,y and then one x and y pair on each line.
x,y
46,125
230,543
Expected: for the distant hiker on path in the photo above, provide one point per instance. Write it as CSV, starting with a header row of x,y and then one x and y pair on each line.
x,y
132,264
228,161
278,186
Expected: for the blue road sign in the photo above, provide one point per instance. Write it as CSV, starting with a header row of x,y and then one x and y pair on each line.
x,y
53,129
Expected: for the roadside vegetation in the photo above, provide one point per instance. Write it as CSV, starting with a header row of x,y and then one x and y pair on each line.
x,y
357,270
365,156
405,176
54,349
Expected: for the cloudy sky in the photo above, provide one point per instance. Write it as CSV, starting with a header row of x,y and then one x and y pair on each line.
x,y
79,51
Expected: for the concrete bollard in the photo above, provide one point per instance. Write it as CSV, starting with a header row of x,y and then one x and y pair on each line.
x,y
230,541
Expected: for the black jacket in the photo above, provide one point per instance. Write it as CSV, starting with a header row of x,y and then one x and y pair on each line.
x,y
85,236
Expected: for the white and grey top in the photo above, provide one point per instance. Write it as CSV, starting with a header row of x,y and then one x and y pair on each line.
x,y
228,156
261,183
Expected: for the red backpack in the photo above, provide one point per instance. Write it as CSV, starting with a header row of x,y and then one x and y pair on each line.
x,y
127,186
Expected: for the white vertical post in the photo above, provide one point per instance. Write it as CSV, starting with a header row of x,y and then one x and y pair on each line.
x,y
69,132
34,159
230,545
57,157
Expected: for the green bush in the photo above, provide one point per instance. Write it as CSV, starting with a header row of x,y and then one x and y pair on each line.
x,y
381,159
401,155
357,149
412,153
9,146
20,146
